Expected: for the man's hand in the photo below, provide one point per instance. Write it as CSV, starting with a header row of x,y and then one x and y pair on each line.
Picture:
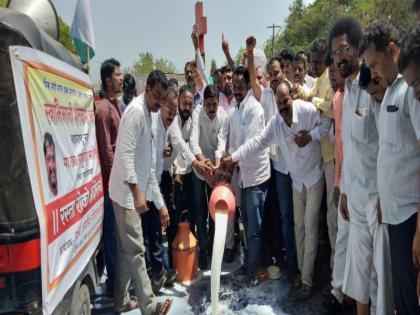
x,y
209,164
343,207
201,168
167,151
140,203
302,138
227,162
416,250
251,42
378,211
217,164
178,181
225,46
195,36
336,195
164,217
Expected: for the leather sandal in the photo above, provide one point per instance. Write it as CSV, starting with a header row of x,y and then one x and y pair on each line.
x,y
163,308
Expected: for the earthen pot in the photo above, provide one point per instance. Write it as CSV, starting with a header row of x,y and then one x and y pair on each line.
x,y
222,199
184,253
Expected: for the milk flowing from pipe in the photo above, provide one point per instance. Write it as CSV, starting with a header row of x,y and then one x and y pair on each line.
x,y
221,222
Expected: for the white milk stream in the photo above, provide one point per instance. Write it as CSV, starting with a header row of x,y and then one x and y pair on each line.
x,y
221,221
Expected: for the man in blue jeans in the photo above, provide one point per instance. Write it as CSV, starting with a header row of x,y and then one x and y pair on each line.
x,y
283,181
246,122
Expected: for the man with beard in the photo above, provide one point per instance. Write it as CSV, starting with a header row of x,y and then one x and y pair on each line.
x,y
129,179
107,121
51,166
129,91
281,178
304,164
207,120
286,60
245,122
154,220
367,268
226,99
398,182
182,168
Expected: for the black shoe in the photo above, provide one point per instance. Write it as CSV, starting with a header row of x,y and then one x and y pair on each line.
x,y
228,255
202,261
157,284
170,278
332,305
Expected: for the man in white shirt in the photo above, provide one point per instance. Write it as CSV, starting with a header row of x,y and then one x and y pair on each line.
x,y
366,274
207,120
247,121
282,180
295,120
130,175
182,167
398,161
151,220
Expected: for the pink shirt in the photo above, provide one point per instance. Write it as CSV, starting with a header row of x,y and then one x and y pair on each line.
x,y
338,119
223,101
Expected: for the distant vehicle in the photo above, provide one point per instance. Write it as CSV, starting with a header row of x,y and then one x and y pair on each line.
x,y
20,241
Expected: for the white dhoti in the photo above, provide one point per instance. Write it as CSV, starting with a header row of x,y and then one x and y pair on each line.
x,y
340,258
368,264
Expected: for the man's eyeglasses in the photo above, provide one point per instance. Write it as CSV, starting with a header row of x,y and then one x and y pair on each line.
x,y
169,111
341,51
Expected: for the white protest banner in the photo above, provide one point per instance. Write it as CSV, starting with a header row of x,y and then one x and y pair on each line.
x,y
55,102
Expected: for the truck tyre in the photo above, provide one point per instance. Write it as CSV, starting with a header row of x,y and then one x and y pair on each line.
x,y
80,305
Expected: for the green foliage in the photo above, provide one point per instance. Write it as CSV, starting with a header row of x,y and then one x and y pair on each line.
x,y
65,37
3,3
239,56
213,66
146,63
305,23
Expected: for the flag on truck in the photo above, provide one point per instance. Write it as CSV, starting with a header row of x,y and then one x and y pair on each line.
x,y
82,31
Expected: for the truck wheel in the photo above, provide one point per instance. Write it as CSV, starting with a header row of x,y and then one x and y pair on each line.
x,y
81,302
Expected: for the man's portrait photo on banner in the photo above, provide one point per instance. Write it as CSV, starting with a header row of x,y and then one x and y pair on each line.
x,y
50,163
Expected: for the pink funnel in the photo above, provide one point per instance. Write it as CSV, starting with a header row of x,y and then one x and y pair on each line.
x,y
222,199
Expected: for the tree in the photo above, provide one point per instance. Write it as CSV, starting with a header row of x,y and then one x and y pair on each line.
x,y
65,37
239,56
213,66
305,23
165,65
146,63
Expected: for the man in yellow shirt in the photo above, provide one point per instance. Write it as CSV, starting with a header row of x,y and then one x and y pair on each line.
x,y
321,95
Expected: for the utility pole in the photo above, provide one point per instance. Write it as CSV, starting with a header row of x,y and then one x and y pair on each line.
x,y
274,26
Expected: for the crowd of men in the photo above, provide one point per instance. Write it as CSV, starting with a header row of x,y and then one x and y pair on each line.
x,y
341,122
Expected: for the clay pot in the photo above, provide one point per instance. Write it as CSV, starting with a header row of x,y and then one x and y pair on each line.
x,y
184,253
222,199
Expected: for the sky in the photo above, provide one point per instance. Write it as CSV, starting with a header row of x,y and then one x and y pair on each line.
x,y
125,28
